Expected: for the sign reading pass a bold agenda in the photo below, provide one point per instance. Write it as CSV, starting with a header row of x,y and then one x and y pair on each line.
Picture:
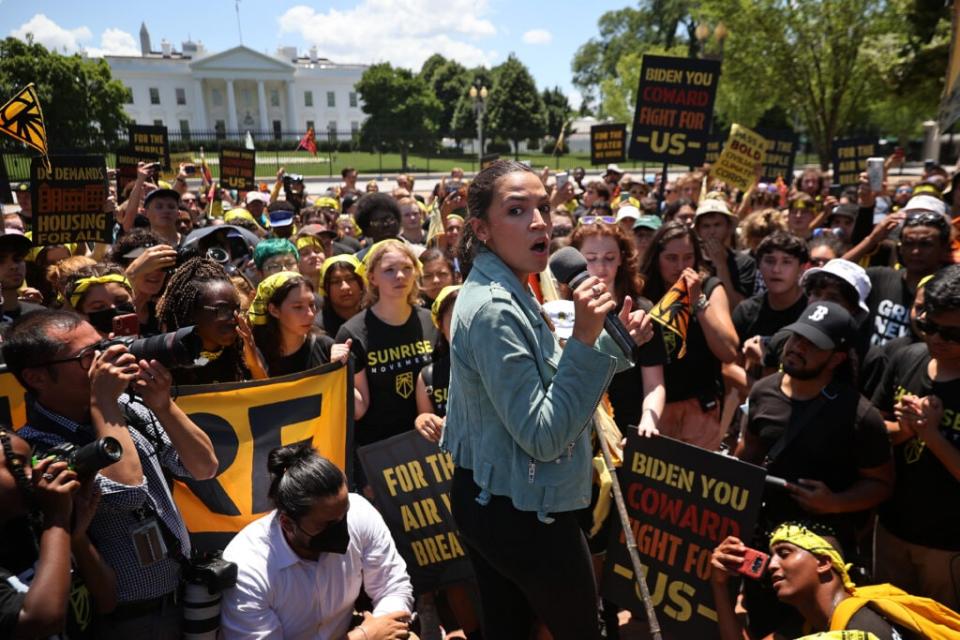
x,y
674,109
608,143
682,502
411,481
850,158
69,200
238,169
741,159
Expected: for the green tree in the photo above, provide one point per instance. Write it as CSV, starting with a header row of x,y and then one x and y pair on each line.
x,y
557,110
82,104
515,109
430,66
448,82
403,112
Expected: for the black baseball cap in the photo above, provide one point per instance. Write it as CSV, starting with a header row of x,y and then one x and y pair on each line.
x,y
826,324
162,193
846,210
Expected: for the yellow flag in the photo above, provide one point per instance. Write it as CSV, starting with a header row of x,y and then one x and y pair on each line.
x,y
673,312
22,119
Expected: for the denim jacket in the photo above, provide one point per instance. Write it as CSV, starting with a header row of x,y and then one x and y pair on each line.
x,y
520,407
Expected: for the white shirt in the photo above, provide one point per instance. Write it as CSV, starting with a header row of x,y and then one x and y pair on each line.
x,y
281,595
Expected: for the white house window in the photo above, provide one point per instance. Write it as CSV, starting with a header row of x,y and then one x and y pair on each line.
x,y
332,131
185,129
354,127
353,99
274,98
158,123
154,95
308,98
181,96
310,125
331,99
216,97
128,98
246,97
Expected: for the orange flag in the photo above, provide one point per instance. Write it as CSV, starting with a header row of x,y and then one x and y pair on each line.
x,y
674,311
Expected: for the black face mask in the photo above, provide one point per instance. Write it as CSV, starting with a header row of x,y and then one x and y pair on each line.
x,y
102,320
334,539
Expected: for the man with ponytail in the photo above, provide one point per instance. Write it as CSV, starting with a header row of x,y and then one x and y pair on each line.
x,y
301,566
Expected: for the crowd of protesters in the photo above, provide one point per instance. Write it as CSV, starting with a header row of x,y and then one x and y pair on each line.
x,y
823,344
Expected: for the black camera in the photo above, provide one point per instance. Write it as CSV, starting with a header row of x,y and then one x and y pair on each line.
x,y
90,458
177,349
211,571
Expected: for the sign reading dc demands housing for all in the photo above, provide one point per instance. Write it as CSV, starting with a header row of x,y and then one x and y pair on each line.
x,y
608,143
151,142
69,200
238,169
411,482
850,159
674,109
682,502
739,160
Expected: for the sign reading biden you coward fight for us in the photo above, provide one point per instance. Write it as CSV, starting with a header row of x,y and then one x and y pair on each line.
x,y
68,200
682,501
411,482
238,169
674,109
608,143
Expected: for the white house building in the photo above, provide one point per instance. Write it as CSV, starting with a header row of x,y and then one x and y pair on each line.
x,y
239,90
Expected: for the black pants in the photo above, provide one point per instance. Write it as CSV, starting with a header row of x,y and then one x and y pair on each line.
x,y
526,569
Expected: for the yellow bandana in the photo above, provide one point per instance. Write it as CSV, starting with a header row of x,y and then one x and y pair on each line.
x,y
800,536
435,309
455,215
239,215
327,203
83,284
258,312
309,241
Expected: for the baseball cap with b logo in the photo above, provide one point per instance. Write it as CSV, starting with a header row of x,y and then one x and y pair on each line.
x,y
826,324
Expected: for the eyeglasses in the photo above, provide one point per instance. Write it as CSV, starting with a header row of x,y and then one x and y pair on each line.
x,y
224,310
929,327
277,267
85,357
592,219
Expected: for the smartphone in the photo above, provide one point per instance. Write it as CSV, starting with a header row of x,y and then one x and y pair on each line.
x,y
835,190
452,185
189,169
928,165
562,178
875,174
127,324
754,563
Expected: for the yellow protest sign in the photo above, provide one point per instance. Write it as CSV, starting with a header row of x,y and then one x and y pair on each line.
x,y
21,118
245,421
737,164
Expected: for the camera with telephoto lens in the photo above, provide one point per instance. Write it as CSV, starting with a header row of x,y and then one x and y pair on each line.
x,y
88,459
204,578
178,349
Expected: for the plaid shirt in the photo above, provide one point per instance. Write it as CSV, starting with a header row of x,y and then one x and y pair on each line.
x,y
122,506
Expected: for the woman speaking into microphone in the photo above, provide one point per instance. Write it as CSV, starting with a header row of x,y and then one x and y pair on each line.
x,y
519,415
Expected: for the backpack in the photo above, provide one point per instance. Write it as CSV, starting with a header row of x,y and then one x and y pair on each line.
x,y
922,616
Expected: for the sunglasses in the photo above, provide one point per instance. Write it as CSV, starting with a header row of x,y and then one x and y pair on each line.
x,y
925,218
223,311
929,327
591,219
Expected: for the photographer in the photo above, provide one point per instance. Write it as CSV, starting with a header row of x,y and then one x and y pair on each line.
x,y
77,392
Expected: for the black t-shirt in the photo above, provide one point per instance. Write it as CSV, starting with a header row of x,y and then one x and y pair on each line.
x,y
626,389
889,301
922,509
436,377
838,433
743,271
697,374
392,356
22,308
755,317
228,367
314,352
329,321
868,620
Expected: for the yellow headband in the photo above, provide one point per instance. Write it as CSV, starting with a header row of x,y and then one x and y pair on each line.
x,y
239,214
435,309
258,312
327,203
800,536
346,258
924,280
455,215
81,286
309,241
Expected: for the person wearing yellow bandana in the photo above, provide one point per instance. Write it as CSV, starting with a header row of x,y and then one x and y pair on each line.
x,y
343,290
810,575
311,260
100,293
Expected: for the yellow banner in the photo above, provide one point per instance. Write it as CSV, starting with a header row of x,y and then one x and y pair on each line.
x,y
738,163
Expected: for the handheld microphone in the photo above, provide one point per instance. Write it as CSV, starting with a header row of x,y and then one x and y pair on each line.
x,y
570,267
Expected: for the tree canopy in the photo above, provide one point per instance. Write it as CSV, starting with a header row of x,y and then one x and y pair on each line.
x,y
515,109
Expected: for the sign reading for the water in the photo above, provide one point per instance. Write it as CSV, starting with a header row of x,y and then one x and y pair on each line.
x,y
151,142
238,169
739,160
674,109
68,200
608,143
411,481
850,158
682,502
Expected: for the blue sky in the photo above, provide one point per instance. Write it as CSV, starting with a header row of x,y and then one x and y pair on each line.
x,y
544,35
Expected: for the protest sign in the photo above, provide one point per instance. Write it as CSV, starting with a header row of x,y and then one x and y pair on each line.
x,y
674,109
850,159
238,169
608,143
781,154
682,502
13,406
245,421
714,146
152,142
6,193
411,481
737,164
69,199
127,160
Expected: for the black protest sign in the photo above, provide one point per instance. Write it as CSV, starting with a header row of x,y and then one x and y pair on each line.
x,y
411,482
68,200
682,502
238,169
714,147
6,194
152,142
850,158
127,160
781,154
674,109
608,143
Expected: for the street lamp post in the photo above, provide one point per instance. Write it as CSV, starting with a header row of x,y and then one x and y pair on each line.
x,y
720,33
478,93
